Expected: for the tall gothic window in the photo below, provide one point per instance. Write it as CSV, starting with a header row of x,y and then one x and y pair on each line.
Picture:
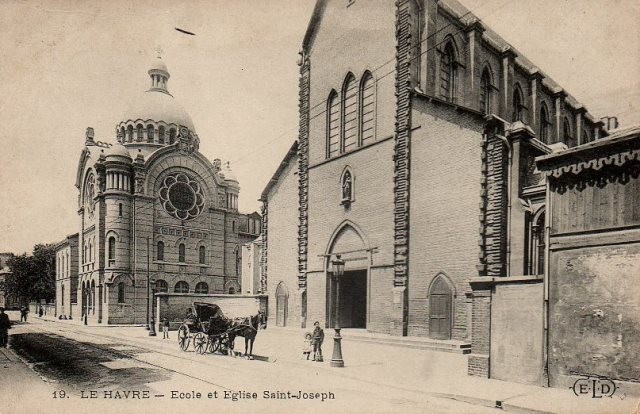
x,y
485,92
448,73
567,137
518,105
333,124
121,297
112,250
161,135
130,133
349,113
544,124
160,251
537,243
139,130
367,108
181,253
201,254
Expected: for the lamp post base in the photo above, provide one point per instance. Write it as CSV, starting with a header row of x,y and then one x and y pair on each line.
x,y
336,358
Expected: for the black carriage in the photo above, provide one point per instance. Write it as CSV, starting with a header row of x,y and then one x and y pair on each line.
x,y
210,330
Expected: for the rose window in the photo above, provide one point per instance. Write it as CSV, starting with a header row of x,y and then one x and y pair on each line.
x,y
181,196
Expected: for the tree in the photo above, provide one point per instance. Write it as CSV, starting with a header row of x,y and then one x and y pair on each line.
x,y
33,277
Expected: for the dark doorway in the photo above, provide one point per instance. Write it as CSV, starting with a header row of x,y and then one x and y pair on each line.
x,y
353,299
440,309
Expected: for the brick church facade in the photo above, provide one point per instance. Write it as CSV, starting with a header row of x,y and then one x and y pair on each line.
x,y
151,207
414,163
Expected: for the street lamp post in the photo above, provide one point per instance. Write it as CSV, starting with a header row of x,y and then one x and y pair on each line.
x,y
337,272
152,321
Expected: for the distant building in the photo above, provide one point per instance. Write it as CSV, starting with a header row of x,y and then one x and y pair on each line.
x,y
251,254
67,277
151,207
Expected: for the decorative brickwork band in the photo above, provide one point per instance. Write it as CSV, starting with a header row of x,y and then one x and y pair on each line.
x,y
303,170
493,214
265,246
402,144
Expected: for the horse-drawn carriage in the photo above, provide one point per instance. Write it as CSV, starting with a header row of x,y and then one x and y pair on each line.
x,y
210,330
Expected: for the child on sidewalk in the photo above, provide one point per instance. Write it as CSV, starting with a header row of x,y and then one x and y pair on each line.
x,y
306,345
165,328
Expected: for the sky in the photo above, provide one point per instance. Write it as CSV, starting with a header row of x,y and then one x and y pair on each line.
x,y
67,65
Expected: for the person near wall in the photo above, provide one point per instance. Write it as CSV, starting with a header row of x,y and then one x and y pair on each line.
x,y
5,325
165,328
318,338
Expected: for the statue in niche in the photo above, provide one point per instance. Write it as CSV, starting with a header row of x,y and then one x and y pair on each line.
x,y
347,187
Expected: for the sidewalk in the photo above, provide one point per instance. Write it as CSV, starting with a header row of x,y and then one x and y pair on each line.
x,y
438,374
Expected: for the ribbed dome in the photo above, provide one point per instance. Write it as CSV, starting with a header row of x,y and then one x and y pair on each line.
x,y
158,106
118,152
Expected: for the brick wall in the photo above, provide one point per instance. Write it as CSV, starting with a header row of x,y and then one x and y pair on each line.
x,y
282,225
445,196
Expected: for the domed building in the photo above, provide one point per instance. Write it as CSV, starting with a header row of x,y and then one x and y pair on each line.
x,y
151,207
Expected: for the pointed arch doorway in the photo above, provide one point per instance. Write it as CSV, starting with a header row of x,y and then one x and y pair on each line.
x,y
440,308
348,297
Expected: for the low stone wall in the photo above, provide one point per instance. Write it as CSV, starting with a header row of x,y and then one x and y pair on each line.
x,y
173,306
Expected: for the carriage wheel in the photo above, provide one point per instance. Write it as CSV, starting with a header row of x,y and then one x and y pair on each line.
x,y
183,337
200,343
214,345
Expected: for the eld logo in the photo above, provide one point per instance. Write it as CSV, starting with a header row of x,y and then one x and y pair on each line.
x,y
594,387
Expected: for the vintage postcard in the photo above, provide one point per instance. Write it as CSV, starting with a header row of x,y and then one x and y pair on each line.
x,y
320,206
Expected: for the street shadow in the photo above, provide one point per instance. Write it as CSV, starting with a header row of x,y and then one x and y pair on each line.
x,y
78,364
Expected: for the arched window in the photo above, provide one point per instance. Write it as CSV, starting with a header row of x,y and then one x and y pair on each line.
x,y
333,124
448,73
123,135
181,287
202,287
544,124
160,251
150,133
349,113
518,105
112,250
202,255
162,286
367,108
130,133
161,135
172,135
139,128
536,241
567,137
485,92
232,290
181,253
121,297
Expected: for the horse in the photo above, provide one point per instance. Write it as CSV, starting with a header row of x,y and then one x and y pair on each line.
x,y
248,329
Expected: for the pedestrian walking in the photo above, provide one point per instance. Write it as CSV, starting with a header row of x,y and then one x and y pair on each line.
x,y
5,325
318,338
165,328
23,314
306,345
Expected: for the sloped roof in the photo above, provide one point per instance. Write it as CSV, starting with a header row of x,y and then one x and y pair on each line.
x,y
293,152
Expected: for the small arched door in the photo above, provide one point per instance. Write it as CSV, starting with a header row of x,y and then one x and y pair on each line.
x,y
282,299
440,298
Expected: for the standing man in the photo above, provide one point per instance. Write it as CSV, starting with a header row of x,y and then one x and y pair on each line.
x,y
318,338
23,314
5,325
